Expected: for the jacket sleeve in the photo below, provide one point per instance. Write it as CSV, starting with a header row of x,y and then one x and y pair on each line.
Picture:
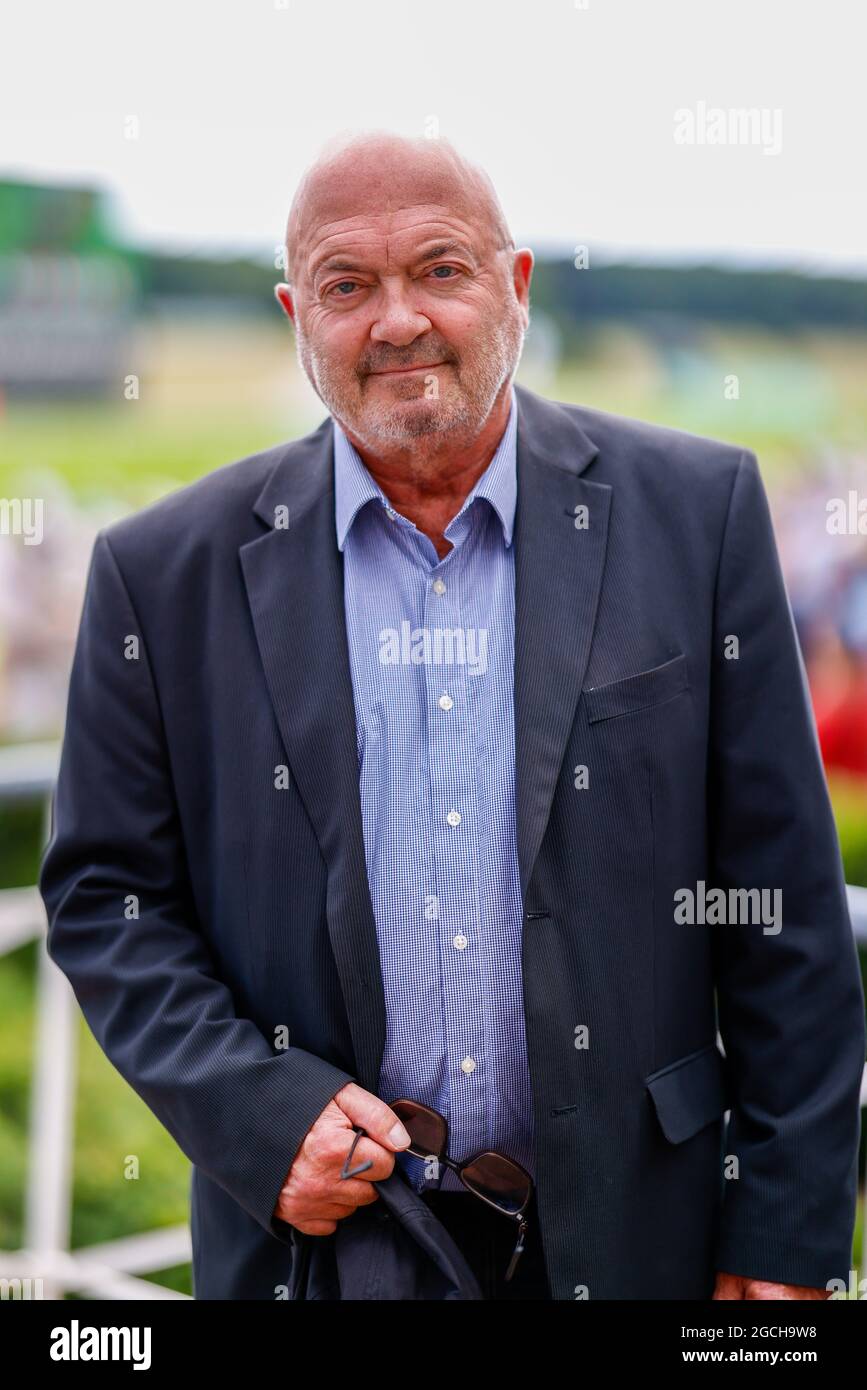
x,y
142,973
790,1001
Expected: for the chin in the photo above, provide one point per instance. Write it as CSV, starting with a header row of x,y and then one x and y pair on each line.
x,y
413,418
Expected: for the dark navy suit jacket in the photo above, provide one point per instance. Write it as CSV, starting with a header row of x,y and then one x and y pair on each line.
x,y
200,902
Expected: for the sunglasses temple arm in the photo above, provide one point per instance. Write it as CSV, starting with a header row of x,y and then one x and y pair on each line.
x,y
359,1168
518,1250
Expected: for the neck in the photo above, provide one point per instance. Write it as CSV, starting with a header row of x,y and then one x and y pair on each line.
x,y
429,481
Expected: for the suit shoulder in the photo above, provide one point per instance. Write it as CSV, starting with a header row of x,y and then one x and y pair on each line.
x,y
640,445
217,493
215,509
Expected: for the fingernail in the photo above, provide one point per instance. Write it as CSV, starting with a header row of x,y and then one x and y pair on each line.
x,y
398,1136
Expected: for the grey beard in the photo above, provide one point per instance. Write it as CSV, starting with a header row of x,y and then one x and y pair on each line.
x,y
462,416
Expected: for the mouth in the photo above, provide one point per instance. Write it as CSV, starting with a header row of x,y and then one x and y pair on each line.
x,y
407,371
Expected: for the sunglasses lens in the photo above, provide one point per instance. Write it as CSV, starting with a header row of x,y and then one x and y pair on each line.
x,y
426,1129
499,1181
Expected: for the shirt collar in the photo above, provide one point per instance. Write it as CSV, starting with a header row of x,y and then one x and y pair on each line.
x,y
354,485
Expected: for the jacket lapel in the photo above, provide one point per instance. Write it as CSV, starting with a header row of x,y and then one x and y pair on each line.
x,y
294,579
558,575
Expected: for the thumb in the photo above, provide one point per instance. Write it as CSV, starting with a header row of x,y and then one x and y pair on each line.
x,y
373,1115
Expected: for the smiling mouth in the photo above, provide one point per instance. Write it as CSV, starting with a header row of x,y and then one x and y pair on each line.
x,y
404,371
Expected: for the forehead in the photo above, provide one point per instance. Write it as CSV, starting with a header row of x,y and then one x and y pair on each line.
x,y
378,198
389,238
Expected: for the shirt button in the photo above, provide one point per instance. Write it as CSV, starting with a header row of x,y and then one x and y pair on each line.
x,y
468,1065
391,513
459,942
454,817
438,586
445,702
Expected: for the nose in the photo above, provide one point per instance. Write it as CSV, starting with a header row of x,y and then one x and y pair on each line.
x,y
398,322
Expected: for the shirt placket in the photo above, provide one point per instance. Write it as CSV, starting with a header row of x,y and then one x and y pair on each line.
x,y
454,835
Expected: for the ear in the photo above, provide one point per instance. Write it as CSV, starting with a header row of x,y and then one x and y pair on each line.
x,y
522,273
283,295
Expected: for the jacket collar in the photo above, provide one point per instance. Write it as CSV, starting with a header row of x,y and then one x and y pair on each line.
x,y
354,486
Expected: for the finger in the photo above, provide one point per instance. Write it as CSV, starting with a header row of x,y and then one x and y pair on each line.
x,y
321,1210
366,1150
315,1228
351,1192
298,1195
325,1153
331,1211
355,1192
373,1115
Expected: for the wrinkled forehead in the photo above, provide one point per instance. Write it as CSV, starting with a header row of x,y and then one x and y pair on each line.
x,y
385,211
390,240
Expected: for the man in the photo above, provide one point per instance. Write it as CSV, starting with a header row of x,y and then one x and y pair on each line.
x,y
460,753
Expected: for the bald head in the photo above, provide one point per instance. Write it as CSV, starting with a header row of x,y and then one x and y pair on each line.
x,y
384,173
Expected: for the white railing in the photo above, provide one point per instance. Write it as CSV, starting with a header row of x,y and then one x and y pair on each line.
x,y
46,1264
112,1270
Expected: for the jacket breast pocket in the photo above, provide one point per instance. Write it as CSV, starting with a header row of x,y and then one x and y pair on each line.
x,y
641,691
689,1093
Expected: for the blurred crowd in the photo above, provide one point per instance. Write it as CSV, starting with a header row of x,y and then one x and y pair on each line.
x,y
826,574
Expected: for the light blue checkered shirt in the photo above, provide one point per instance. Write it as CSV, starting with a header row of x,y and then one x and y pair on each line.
x,y
436,752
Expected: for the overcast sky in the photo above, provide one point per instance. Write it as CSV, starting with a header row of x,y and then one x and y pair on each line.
x,y
571,108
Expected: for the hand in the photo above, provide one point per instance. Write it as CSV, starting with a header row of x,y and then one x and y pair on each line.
x,y
315,1197
736,1286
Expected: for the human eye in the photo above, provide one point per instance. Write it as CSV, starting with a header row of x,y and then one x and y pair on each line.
x,y
342,289
452,272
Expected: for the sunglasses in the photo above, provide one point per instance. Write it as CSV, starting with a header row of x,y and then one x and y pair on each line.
x,y
496,1180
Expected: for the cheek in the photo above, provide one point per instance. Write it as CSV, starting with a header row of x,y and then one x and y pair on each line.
x,y
335,337
462,321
